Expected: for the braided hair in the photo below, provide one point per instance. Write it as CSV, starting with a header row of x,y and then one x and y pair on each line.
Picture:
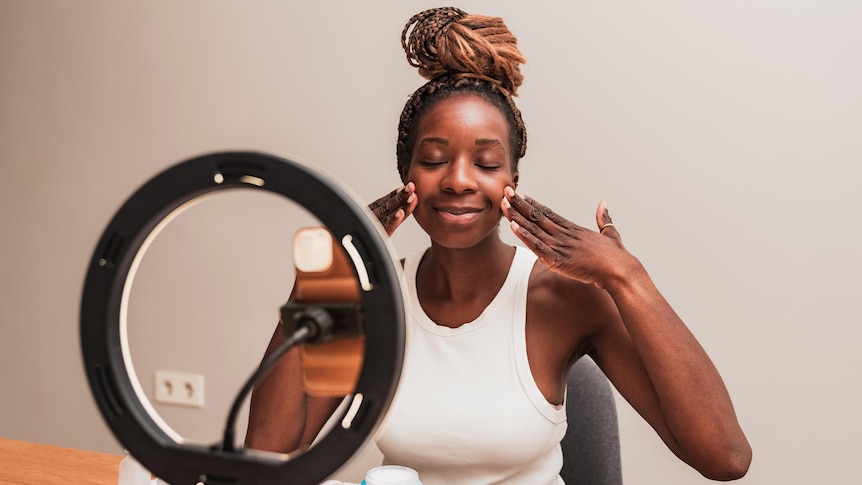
x,y
461,53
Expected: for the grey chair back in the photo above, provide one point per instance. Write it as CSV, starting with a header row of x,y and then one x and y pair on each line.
x,y
591,446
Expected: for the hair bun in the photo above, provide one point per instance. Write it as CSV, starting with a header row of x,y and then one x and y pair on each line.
x,y
449,41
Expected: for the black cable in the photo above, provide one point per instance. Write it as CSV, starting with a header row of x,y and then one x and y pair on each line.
x,y
301,334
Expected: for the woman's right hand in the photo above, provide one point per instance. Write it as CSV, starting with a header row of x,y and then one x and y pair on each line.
x,y
393,208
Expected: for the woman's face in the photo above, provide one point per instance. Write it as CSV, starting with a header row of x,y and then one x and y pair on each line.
x,y
461,163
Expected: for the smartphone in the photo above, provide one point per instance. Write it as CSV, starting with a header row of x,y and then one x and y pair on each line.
x,y
325,279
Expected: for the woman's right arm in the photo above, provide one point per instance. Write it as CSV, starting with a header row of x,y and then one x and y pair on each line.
x,y
282,417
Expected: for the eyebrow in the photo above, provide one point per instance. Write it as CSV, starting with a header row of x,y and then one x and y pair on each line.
x,y
479,141
434,139
490,142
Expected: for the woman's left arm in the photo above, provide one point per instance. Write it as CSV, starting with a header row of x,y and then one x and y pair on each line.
x,y
642,345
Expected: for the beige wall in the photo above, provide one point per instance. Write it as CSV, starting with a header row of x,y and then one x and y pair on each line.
x,y
726,136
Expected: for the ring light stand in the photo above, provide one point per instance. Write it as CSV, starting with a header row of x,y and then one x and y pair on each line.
x,y
104,341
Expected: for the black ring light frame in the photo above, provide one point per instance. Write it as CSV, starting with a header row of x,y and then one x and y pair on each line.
x,y
103,334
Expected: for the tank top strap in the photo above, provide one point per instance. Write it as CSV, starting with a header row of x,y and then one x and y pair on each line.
x,y
523,264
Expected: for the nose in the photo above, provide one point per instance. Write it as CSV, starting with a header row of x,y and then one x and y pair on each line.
x,y
459,177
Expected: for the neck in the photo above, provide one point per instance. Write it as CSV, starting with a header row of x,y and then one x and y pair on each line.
x,y
466,274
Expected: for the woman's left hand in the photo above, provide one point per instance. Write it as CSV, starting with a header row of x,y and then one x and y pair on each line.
x,y
566,248
640,343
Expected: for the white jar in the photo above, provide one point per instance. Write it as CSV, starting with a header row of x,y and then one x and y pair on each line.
x,y
391,475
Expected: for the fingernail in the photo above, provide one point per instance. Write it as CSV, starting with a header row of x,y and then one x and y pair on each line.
x,y
411,198
506,204
514,225
509,191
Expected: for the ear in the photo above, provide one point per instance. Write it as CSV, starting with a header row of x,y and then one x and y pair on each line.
x,y
515,177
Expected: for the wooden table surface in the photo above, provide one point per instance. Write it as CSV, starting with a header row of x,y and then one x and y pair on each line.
x,y
25,463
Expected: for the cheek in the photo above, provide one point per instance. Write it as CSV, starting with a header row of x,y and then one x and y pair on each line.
x,y
495,187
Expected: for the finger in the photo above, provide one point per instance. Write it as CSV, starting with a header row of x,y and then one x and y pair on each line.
x,y
402,213
546,253
411,202
393,220
393,201
532,209
531,215
529,238
374,206
605,223
529,231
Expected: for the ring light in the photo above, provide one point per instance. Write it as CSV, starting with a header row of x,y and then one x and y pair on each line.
x,y
103,327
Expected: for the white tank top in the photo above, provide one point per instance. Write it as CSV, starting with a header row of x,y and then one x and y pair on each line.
x,y
467,410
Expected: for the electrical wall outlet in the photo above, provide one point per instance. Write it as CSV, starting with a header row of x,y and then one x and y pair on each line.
x,y
180,388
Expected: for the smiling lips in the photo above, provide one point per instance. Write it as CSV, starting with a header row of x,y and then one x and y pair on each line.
x,y
458,215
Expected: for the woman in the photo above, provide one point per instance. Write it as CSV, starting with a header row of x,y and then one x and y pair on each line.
x,y
496,328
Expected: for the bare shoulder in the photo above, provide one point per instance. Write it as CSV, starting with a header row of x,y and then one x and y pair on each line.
x,y
567,308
